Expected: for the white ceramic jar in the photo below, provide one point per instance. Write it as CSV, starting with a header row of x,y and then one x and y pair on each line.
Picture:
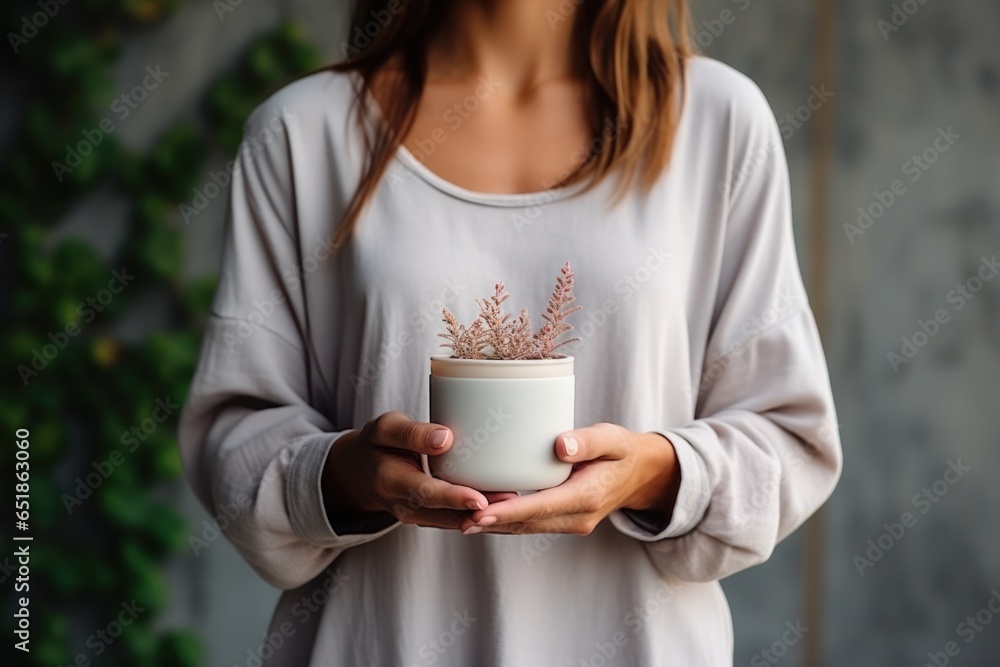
x,y
505,416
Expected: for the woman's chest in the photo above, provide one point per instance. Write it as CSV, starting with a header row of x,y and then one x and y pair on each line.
x,y
418,249
483,135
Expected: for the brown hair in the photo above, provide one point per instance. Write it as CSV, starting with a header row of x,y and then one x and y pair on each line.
x,y
631,55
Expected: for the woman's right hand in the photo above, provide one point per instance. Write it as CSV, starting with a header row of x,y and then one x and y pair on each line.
x,y
377,470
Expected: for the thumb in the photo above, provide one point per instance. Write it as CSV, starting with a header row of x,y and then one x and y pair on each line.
x,y
601,441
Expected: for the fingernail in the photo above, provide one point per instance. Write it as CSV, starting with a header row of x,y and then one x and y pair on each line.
x,y
438,437
472,530
475,505
487,521
572,446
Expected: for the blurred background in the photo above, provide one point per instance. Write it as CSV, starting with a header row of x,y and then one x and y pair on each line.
x,y
117,121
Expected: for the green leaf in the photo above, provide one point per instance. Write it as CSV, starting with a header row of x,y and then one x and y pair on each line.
x,y
47,505
176,161
167,462
124,505
265,65
50,646
141,643
167,528
161,252
197,299
180,649
153,210
148,585
82,272
64,572
49,442
101,577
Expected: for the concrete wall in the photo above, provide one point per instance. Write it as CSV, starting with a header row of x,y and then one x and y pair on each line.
x,y
900,427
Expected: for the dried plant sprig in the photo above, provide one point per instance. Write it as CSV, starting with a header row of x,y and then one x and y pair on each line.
x,y
521,343
465,342
556,313
494,319
495,335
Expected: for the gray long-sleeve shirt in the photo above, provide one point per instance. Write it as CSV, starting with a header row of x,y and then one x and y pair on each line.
x,y
695,324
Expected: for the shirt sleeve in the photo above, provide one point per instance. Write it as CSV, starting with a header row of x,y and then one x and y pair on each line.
x,y
763,450
254,434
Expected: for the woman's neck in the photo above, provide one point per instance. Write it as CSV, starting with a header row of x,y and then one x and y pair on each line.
x,y
520,42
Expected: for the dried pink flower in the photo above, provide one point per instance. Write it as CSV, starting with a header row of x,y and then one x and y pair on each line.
x,y
508,338
556,313
465,342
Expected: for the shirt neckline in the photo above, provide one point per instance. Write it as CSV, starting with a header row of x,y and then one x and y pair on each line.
x,y
516,199
418,168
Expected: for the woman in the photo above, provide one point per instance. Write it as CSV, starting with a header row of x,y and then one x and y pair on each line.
x,y
461,143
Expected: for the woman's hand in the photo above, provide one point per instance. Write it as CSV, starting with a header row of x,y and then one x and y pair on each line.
x,y
614,468
377,471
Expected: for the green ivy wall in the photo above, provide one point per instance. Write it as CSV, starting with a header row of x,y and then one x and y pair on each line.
x,y
101,310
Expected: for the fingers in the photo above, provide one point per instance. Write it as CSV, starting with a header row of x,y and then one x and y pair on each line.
x,y
396,430
594,442
401,482
430,518
495,496
417,498
570,524
438,518
571,498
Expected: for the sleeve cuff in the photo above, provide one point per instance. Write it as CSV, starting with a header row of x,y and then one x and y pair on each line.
x,y
692,499
304,497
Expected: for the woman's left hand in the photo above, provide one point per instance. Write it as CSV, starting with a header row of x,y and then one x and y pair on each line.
x,y
614,468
